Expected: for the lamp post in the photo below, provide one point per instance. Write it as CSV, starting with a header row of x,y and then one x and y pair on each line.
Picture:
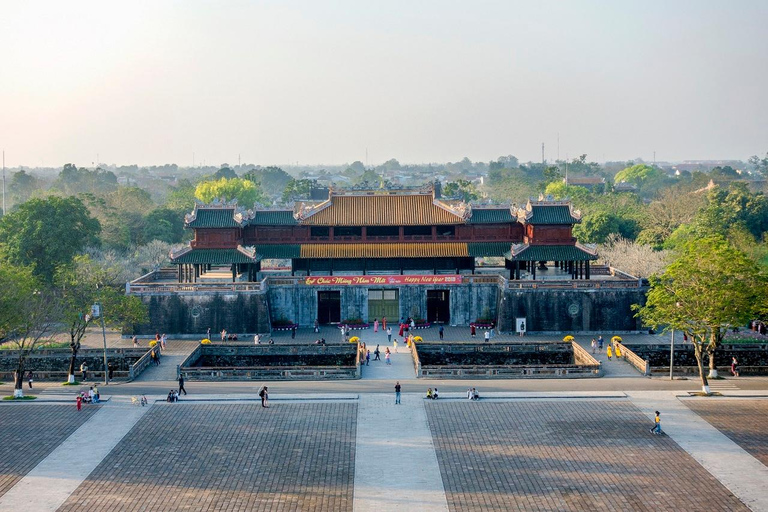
x,y
96,311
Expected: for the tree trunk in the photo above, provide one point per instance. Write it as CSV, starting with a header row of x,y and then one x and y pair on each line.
x,y
697,350
72,362
711,352
18,379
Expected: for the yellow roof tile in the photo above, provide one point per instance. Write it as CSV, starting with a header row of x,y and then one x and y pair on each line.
x,y
396,250
382,210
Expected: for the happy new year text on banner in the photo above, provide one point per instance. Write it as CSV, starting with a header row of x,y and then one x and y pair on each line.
x,y
383,280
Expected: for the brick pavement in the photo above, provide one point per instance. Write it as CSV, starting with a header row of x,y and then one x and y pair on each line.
x,y
31,432
228,457
565,455
744,421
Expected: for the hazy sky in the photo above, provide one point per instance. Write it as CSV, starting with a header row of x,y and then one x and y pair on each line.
x,y
319,82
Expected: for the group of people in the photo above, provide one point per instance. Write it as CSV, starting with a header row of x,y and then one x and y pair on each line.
x,y
597,344
91,396
173,396
473,394
257,340
366,354
160,339
758,327
432,394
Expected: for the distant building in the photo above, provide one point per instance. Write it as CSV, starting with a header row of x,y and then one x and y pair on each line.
x,y
588,182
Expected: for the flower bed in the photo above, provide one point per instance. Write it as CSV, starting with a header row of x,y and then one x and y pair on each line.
x,y
482,324
284,327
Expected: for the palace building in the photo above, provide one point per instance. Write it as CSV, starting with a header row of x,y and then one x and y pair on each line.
x,y
363,254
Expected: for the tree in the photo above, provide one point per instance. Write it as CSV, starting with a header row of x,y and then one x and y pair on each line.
x,y
22,186
29,314
181,199
245,191
298,189
163,224
224,172
647,178
271,179
45,233
357,166
370,177
635,258
461,189
83,283
73,181
759,165
708,288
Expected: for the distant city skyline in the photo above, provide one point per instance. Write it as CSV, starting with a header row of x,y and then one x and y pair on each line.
x,y
324,83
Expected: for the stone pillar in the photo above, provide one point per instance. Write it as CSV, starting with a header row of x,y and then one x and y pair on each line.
x,y
587,270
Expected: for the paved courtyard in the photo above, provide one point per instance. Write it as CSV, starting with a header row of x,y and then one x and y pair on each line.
x,y
30,432
743,420
228,457
565,455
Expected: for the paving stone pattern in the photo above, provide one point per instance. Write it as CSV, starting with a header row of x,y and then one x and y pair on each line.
x,y
228,457
565,455
744,421
31,432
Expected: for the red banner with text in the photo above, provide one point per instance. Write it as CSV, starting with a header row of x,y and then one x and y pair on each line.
x,y
383,280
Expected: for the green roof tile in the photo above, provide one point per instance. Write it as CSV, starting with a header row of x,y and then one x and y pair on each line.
x,y
214,257
214,218
488,249
549,253
551,214
491,216
273,218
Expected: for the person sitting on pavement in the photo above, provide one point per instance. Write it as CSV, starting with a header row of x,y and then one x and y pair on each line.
x,y
475,394
434,394
429,393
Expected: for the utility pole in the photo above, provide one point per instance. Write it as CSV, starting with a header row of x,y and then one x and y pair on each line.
x,y
542,153
671,353
97,310
4,211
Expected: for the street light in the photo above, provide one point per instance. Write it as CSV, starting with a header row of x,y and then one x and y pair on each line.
x,y
96,311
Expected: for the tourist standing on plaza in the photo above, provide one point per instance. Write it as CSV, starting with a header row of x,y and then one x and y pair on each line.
x,y
84,370
293,332
594,345
376,354
609,352
389,335
600,343
618,351
223,335
394,346
367,358
734,369
375,325
29,378
387,357
264,395
181,384
657,424
256,339
441,331
317,325
487,335
397,392
402,328
79,401
135,341
384,324
472,330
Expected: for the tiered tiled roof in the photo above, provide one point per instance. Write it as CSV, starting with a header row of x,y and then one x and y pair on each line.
x,y
273,218
394,250
548,212
217,215
381,210
216,256
491,216
526,252
488,249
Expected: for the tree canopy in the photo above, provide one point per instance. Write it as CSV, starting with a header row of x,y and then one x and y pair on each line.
x,y
45,233
462,189
708,288
245,191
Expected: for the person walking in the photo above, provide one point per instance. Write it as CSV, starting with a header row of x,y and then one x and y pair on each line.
x,y
264,395
135,340
208,334
181,384
387,358
734,369
376,354
163,339
472,330
110,371
656,424
609,352
389,335
441,331
223,335
594,345
293,332
397,393
402,329
29,378
367,358
79,401
84,370
394,346
618,351
375,325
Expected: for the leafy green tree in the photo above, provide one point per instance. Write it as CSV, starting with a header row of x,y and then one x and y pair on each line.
x,y
84,282
224,172
181,199
462,189
74,181
165,225
370,177
357,166
271,179
22,186
759,165
559,190
298,189
46,233
647,178
245,191
708,288
29,314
